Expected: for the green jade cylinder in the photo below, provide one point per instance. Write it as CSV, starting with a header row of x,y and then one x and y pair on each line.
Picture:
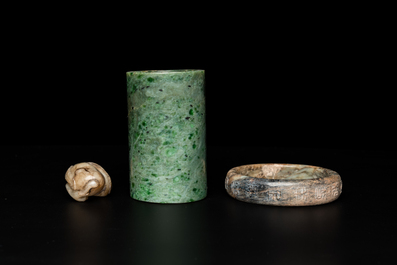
x,y
167,145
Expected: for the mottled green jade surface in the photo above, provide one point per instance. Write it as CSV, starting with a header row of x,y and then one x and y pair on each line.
x,y
167,151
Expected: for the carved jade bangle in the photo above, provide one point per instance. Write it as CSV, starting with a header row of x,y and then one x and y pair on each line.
x,y
283,184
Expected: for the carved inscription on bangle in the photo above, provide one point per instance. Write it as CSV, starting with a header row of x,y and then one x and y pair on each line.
x,y
255,191
324,192
320,193
274,195
335,189
270,195
300,194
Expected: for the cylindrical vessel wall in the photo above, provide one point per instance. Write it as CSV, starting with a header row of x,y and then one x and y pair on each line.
x,y
166,129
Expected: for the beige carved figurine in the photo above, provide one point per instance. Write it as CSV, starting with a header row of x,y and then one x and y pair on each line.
x,y
87,179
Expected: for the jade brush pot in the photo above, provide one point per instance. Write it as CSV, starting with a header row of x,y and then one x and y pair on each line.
x,y
166,131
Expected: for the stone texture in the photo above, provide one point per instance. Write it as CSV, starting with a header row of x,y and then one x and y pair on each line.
x,y
166,119
283,184
87,179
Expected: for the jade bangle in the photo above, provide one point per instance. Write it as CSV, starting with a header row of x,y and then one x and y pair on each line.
x,y
283,184
166,130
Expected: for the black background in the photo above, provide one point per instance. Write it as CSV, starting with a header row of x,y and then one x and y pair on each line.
x,y
277,90
325,85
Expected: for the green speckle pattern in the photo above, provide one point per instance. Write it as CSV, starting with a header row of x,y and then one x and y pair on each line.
x,y
166,130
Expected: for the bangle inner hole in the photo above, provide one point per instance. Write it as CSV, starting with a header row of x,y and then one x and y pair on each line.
x,y
284,171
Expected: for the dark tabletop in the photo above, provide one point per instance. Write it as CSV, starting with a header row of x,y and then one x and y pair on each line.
x,y
41,224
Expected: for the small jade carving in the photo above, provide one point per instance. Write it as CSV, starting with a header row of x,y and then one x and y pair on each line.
x,y
87,179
